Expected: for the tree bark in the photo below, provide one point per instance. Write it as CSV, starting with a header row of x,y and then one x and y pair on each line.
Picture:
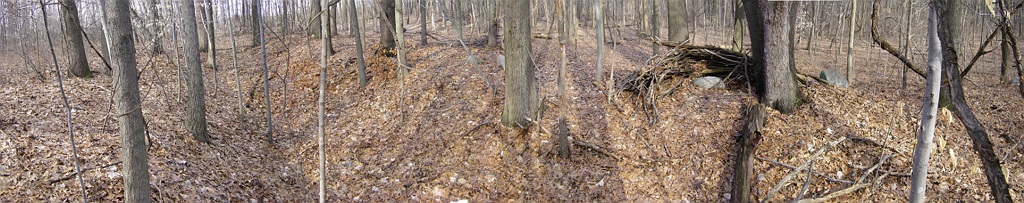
x,y
655,33
677,24
520,82
254,13
769,39
923,149
744,168
737,26
423,22
129,105
325,45
386,25
598,6
1006,63
314,27
849,47
77,64
285,22
157,47
354,18
195,115
949,30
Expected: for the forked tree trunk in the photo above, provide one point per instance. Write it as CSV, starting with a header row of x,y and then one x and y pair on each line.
x,y
768,36
520,81
949,30
77,64
195,115
126,97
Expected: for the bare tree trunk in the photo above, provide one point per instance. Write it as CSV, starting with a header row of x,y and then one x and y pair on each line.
x,y
315,26
907,47
195,115
354,19
285,22
492,23
257,13
1006,60
655,33
67,106
949,30
126,96
922,152
77,65
254,13
600,37
386,25
423,22
849,46
157,48
234,63
520,81
814,17
777,85
457,8
325,45
212,52
677,24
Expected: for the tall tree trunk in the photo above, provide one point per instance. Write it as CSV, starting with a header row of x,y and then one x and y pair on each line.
x,y
315,26
64,98
234,63
158,48
492,23
520,81
677,24
814,17
126,97
195,115
907,47
386,25
211,54
949,31
354,19
769,39
325,45
254,13
655,33
600,37
77,65
457,8
922,152
849,46
1006,60
423,22
257,14
285,22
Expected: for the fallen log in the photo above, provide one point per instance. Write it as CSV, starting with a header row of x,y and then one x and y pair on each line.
x,y
747,143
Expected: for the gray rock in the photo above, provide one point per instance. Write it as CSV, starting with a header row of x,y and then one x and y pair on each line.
x,y
834,78
708,82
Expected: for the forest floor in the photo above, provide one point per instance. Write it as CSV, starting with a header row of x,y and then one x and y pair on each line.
x,y
442,142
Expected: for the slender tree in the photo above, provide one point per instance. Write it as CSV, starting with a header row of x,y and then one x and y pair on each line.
x,y
77,64
768,35
598,6
195,115
234,63
520,81
354,23
849,45
677,29
129,105
1006,62
325,43
67,105
258,15
922,152
211,54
